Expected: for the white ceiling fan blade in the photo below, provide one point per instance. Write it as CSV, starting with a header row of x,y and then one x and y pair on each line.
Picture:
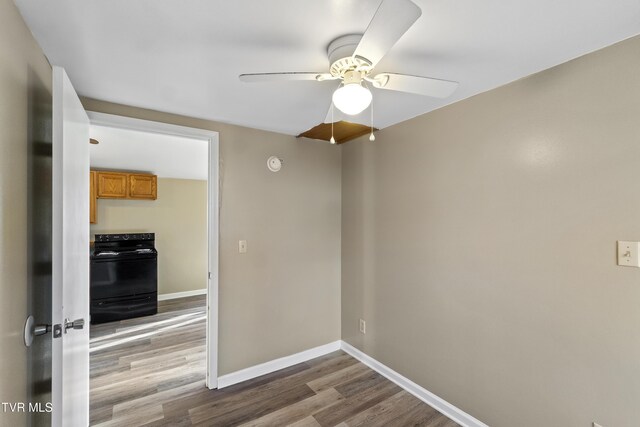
x,y
281,77
426,86
392,19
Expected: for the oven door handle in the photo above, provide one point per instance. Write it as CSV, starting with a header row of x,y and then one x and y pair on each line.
x,y
127,299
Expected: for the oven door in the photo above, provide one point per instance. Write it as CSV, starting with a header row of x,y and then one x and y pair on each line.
x,y
121,277
112,309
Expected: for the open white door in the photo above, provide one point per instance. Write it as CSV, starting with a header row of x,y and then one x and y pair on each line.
x,y
70,292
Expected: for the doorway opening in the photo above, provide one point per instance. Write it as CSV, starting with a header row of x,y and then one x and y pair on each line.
x,y
168,208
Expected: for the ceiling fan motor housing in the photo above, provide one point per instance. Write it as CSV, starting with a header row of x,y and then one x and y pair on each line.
x,y
340,52
353,77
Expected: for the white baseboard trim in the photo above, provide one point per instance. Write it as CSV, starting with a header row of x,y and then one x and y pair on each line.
x,y
277,364
421,393
163,297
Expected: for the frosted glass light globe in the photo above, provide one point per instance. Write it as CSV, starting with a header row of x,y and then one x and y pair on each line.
x,y
352,98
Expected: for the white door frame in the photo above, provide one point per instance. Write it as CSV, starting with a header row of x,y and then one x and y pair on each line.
x,y
102,119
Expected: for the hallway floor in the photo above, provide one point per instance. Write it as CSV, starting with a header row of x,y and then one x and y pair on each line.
x,y
151,371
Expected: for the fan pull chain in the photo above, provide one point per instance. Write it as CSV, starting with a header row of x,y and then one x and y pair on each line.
x,y
372,137
332,140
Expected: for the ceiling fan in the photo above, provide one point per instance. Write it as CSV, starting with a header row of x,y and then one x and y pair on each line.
x,y
353,58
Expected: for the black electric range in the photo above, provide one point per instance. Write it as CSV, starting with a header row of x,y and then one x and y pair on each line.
x,y
124,276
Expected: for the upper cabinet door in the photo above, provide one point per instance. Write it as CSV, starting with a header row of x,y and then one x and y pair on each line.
x,y
112,185
143,186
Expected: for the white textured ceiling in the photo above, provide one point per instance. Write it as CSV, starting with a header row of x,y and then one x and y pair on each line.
x,y
184,56
164,155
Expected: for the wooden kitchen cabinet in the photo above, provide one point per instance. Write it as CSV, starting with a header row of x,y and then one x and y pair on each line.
x,y
92,198
112,185
119,185
143,186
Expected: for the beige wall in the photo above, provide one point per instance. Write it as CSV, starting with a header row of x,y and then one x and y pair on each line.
x,y
179,219
283,295
20,61
479,244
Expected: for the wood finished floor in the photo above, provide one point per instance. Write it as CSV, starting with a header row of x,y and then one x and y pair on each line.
x,y
150,372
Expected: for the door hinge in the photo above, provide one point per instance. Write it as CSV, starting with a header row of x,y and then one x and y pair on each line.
x,y
209,275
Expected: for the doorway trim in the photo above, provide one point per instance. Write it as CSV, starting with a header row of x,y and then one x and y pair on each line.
x,y
213,215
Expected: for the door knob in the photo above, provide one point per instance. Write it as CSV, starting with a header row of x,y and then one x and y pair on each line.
x,y
41,330
76,324
31,330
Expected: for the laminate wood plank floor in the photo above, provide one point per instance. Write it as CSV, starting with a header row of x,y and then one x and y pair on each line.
x,y
150,371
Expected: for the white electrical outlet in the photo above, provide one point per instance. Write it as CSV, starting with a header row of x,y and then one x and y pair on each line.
x,y
242,246
628,254
363,327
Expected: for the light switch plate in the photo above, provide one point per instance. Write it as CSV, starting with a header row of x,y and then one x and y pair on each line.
x,y
628,254
242,246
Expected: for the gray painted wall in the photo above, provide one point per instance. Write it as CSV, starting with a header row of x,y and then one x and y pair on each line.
x,y
479,244
22,64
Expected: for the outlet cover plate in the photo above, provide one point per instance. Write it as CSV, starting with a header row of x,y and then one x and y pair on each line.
x,y
363,327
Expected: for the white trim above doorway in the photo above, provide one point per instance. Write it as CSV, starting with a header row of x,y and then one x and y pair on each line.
x,y
110,120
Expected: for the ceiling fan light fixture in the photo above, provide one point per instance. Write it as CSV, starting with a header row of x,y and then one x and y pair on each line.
x,y
352,98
